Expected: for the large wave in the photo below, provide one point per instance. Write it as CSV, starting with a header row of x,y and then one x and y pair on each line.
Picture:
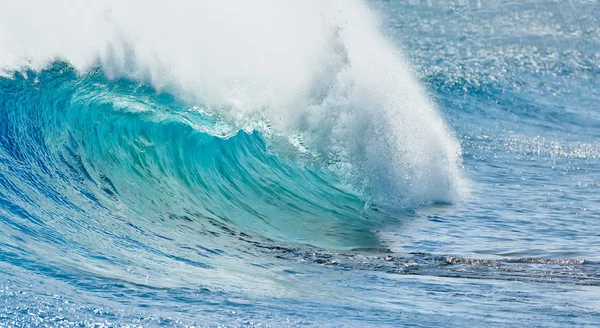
x,y
279,118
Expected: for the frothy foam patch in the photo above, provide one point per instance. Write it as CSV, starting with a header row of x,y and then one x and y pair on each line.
x,y
321,70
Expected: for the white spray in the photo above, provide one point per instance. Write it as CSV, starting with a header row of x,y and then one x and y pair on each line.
x,y
315,68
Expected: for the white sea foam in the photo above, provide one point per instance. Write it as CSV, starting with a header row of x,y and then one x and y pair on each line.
x,y
317,69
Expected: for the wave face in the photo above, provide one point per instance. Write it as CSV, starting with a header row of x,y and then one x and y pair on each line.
x,y
117,148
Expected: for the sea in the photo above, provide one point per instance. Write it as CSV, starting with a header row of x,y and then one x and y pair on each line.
x,y
316,163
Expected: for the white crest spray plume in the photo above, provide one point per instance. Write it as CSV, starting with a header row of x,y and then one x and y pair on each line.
x,y
318,69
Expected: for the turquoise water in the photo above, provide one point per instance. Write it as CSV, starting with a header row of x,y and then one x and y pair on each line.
x,y
385,163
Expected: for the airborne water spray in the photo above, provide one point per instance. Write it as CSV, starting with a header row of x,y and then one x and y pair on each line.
x,y
319,70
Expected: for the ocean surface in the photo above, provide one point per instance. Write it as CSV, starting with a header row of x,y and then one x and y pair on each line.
x,y
300,163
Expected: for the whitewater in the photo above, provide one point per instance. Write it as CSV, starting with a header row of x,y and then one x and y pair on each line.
x,y
285,163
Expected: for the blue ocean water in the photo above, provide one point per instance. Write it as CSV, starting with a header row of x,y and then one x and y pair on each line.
x,y
394,163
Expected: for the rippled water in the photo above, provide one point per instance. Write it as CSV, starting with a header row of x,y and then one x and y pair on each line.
x,y
134,192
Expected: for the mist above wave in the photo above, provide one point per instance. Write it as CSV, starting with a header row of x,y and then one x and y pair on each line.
x,y
319,72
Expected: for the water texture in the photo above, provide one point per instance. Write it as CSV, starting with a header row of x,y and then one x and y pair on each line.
x,y
315,163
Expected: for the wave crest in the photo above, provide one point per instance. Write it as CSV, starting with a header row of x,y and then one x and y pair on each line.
x,y
319,72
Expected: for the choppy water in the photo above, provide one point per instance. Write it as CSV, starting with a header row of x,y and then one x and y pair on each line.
x,y
324,163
